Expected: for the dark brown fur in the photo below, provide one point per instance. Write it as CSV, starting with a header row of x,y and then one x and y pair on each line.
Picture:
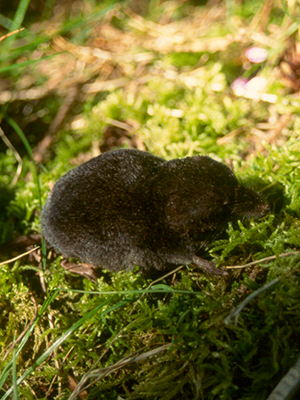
x,y
128,207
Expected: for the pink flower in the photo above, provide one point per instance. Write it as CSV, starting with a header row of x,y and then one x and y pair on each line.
x,y
256,55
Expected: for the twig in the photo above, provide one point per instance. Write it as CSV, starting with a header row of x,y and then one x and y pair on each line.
x,y
102,372
19,256
288,385
11,33
291,253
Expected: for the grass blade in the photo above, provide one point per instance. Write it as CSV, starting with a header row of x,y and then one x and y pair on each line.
x,y
58,342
